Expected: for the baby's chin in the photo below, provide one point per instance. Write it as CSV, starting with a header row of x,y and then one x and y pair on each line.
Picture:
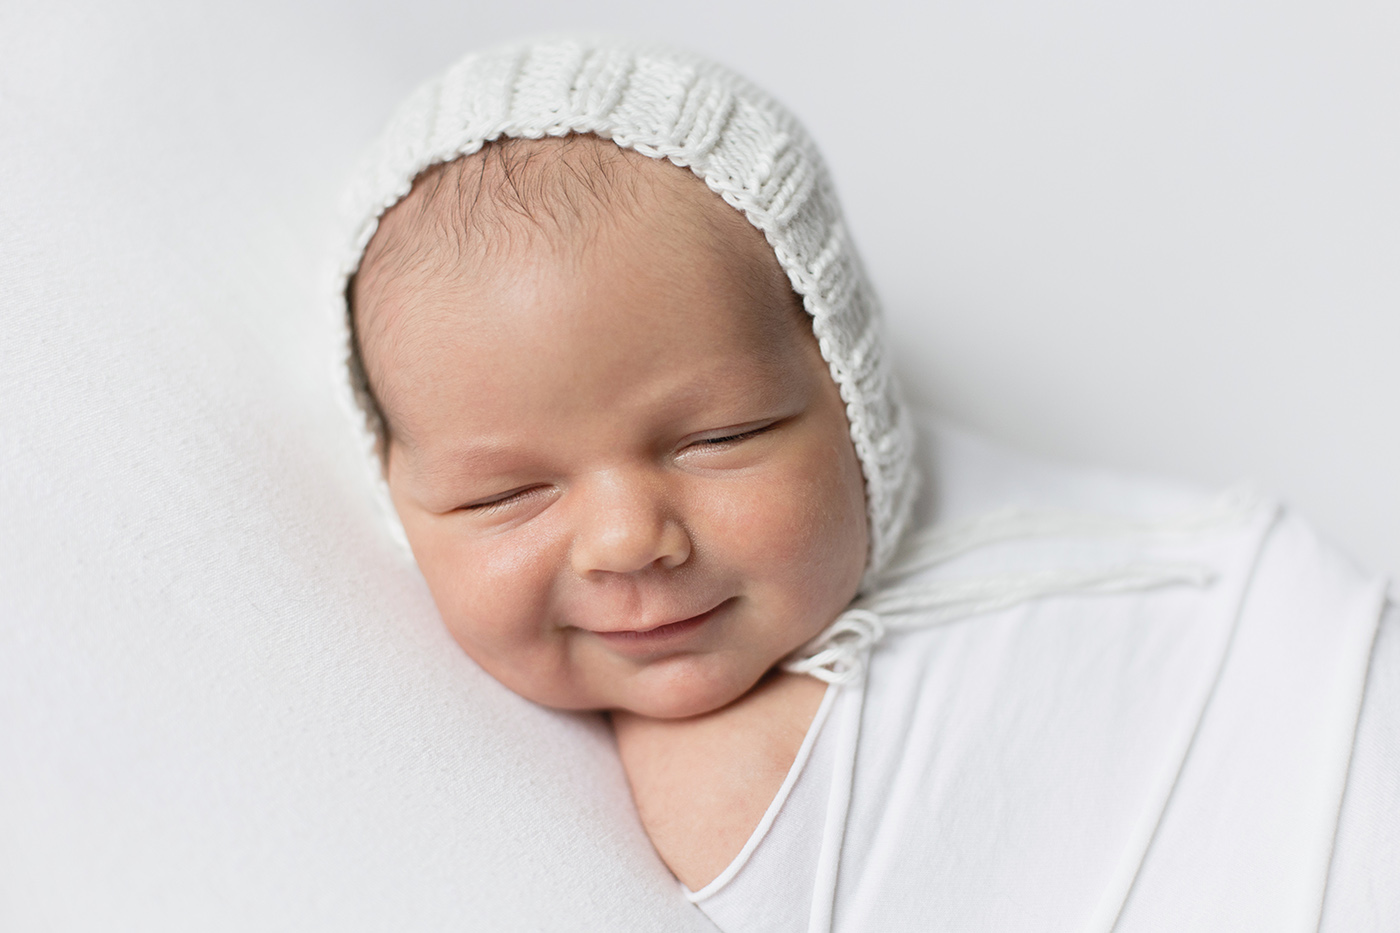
x,y
679,706
673,689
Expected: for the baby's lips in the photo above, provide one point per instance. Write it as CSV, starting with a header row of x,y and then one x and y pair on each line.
x,y
667,625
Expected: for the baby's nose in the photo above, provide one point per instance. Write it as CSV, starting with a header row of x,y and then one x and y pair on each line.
x,y
626,526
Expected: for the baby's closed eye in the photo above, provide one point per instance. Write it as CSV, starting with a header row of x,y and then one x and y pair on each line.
x,y
503,500
740,435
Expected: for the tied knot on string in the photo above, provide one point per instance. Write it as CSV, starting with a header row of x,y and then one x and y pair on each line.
x,y
836,655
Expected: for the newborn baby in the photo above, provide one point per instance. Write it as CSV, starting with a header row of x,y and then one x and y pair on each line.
x,y
624,381
620,459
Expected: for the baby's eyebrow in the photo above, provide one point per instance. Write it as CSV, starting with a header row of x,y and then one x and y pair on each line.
x,y
449,463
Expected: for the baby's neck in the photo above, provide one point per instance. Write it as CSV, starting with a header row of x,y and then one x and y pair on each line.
x,y
702,784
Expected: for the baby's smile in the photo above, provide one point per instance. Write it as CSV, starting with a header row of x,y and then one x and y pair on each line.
x,y
619,456
652,642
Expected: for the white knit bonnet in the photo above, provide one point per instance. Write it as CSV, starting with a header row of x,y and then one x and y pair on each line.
x,y
667,104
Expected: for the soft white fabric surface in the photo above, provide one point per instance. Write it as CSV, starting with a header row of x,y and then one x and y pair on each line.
x,y
1163,760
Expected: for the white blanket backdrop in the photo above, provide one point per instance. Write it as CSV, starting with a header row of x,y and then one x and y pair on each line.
x,y
1161,236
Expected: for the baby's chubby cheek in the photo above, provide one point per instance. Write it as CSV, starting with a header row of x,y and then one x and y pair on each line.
x,y
779,530
799,536
494,594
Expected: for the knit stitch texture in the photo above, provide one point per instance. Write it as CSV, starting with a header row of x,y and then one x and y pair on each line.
x,y
668,104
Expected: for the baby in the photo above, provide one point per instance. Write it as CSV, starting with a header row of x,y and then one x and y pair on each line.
x,y
620,459
623,376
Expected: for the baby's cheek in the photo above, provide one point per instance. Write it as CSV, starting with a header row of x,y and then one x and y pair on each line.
x,y
493,592
769,519
738,517
817,520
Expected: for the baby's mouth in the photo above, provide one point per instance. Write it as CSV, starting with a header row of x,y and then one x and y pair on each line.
x,y
662,635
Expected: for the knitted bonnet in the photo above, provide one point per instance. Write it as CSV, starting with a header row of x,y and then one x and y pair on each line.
x,y
666,104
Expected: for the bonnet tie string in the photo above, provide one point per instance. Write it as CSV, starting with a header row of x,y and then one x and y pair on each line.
x,y
837,655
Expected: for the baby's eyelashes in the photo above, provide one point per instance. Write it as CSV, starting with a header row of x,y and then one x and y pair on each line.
x,y
504,500
733,435
740,446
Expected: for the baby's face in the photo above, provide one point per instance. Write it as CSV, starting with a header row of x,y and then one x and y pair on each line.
x,y
623,467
